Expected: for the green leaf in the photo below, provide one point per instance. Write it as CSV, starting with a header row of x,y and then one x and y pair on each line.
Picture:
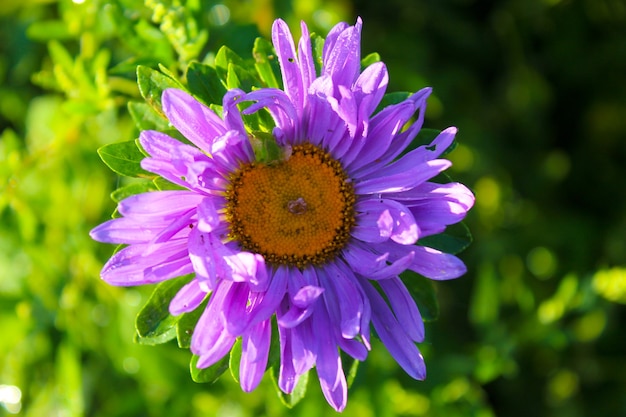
x,y
370,59
146,118
234,359
154,323
187,323
266,62
298,393
455,239
132,189
124,158
238,77
152,84
224,57
317,46
204,83
423,292
210,374
265,148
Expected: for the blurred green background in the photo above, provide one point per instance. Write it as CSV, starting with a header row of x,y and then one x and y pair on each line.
x,y
537,89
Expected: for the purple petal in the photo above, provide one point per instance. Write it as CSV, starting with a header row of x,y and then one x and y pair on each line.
x,y
130,266
231,113
163,205
401,176
188,298
212,259
342,298
382,130
287,377
328,362
289,64
125,230
254,352
305,54
210,340
382,219
391,333
400,142
404,307
435,264
370,87
193,119
270,299
343,60
234,310
428,262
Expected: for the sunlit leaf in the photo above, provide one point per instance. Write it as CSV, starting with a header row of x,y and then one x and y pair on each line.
x,y
124,158
209,374
234,359
152,83
132,189
146,118
370,59
266,62
154,323
204,83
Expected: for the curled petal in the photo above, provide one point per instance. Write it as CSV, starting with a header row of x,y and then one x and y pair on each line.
x,y
188,298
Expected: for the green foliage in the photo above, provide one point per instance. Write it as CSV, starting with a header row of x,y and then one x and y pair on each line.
x,y
124,158
154,323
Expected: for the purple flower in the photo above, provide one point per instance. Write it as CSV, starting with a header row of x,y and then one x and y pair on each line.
x,y
301,238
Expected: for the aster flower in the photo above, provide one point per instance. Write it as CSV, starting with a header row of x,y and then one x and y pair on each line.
x,y
314,239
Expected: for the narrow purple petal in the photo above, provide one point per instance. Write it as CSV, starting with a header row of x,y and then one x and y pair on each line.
x,y
255,349
382,130
305,55
125,230
193,119
328,363
343,60
210,340
404,308
401,177
165,205
272,297
234,310
342,299
391,333
435,264
287,377
130,266
400,142
289,64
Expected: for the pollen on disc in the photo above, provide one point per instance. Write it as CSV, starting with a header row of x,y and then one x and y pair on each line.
x,y
296,212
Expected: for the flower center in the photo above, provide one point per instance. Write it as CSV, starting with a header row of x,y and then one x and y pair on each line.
x,y
295,212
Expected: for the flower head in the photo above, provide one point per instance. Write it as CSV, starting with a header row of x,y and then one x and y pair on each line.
x,y
301,238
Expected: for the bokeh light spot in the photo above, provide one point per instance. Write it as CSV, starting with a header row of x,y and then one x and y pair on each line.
x,y
219,15
541,262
